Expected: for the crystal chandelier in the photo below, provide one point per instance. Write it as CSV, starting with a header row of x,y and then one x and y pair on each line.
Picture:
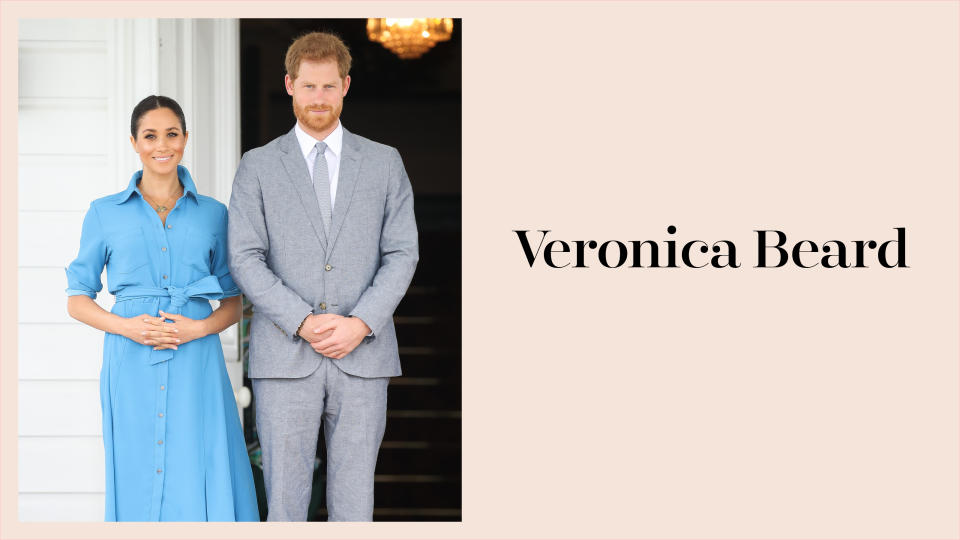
x,y
409,38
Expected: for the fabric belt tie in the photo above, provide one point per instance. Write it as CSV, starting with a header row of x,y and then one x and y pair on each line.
x,y
207,288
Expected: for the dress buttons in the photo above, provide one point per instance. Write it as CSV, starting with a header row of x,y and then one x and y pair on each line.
x,y
159,471
164,276
159,442
160,415
162,387
323,305
164,248
169,226
328,268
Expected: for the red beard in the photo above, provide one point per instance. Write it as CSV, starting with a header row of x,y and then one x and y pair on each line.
x,y
314,121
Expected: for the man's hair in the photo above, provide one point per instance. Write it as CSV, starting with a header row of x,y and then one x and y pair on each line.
x,y
317,46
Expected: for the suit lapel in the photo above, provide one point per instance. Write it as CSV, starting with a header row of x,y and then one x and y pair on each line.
x,y
350,163
297,171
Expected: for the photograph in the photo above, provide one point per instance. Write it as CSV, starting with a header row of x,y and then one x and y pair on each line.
x,y
245,235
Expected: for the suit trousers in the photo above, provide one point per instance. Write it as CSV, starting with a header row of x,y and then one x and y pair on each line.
x,y
290,412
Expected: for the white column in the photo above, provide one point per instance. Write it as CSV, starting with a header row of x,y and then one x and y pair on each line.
x,y
133,52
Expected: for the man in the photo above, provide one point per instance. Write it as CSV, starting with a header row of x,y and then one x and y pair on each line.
x,y
323,241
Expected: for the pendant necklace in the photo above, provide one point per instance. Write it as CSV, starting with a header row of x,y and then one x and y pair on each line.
x,y
161,208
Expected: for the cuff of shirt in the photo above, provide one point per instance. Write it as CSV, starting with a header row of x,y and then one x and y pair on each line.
x,y
370,335
80,292
229,293
300,322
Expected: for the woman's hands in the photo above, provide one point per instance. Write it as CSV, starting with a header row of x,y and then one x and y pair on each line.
x,y
183,330
169,335
148,330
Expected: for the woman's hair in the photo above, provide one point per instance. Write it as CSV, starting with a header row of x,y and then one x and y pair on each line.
x,y
152,103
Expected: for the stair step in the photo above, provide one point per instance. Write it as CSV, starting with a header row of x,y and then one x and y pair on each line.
x,y
444,333
405,514
417,514
431,365
440,461
424,393
430,301
423,429
411,491
421,445
445,493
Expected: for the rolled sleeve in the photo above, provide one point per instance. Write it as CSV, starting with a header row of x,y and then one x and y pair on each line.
x,y
83,274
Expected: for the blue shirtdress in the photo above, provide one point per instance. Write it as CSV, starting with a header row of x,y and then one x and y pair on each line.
x,y
171,433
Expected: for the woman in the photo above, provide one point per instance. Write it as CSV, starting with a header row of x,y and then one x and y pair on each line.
x,y
171,433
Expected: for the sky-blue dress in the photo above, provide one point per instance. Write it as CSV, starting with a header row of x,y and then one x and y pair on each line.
x,y
171,433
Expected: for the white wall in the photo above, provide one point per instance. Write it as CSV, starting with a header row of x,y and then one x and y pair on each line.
x,y
78,81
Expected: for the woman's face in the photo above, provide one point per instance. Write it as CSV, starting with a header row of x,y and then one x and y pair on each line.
x,y
160,141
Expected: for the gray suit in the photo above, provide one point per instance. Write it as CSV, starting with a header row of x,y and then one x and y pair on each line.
x,y
289,266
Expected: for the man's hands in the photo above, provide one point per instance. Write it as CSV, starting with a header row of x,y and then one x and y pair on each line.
x,y
312,322
333,335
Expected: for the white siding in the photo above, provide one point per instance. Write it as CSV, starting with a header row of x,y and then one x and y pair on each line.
x,y
78,81
43,358
36,418
77,179
63,157
43,121
61,507
66,465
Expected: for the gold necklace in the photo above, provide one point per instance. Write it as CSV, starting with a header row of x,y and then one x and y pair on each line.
x,y
161,208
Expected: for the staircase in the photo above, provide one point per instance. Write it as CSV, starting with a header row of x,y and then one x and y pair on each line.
x,y
419,468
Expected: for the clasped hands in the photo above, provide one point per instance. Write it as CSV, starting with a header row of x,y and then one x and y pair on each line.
x,y
333,335
148,330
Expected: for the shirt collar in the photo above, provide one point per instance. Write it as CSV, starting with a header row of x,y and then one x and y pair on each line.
x,y
189,188
334,140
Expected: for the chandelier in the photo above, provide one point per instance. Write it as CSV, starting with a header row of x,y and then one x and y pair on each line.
x,y
409,38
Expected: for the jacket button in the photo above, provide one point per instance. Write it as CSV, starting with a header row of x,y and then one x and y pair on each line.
x,y
328,268
323,305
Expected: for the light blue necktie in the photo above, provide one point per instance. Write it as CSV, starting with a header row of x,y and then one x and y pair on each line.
x,y
321,183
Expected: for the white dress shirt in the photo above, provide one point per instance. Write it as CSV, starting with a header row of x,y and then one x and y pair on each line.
x,y
334,143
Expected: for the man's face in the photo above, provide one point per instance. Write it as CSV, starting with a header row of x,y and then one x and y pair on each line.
x,y
318,93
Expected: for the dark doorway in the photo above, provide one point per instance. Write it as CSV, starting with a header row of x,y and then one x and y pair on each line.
x,y
414,106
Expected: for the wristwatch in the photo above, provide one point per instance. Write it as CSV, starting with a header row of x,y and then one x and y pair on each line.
x,y
297,333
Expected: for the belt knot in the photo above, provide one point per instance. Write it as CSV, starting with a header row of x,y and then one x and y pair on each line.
x,y
178,296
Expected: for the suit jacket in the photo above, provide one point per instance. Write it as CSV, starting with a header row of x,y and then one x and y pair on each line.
x,y
289,266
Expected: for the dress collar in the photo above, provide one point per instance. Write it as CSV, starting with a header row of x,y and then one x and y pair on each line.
x,y
189,188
